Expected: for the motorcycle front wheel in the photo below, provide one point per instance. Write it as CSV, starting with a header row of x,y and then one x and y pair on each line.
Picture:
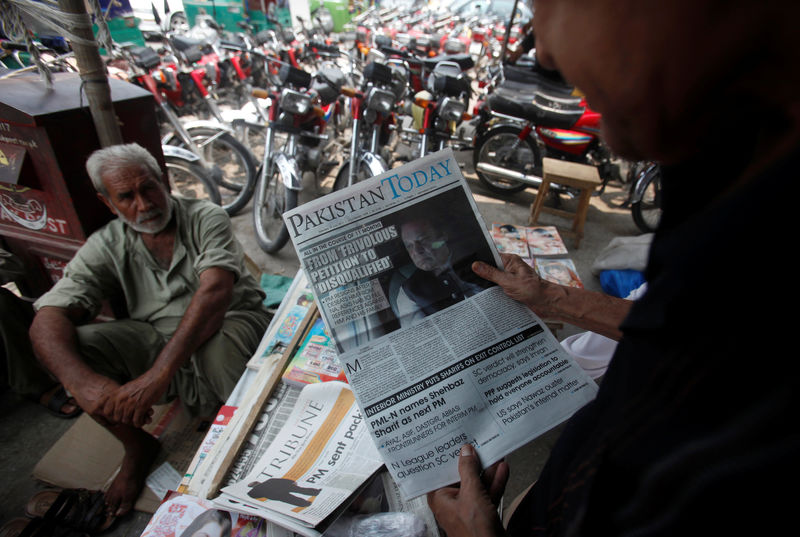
x,y
646,210
342,175
272,199
502,147
190,180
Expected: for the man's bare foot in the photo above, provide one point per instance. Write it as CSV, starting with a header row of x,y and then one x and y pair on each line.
x,y
141,450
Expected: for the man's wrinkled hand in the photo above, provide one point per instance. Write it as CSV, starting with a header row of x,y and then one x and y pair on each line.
x,y
521,282
132,404
470,509
93,395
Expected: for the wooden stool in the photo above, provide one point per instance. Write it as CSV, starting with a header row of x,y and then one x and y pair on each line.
x,y
580,176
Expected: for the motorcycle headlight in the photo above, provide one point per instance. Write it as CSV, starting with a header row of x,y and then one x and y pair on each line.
x,y
295,102
451,109
380,100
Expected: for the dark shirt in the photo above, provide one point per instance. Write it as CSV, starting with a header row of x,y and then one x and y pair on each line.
x,y
695,428
432,293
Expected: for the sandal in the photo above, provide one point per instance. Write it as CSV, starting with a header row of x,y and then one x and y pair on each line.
x,y
54,399
14,527
79,510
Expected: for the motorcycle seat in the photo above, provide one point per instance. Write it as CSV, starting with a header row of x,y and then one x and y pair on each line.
x,y
184,43
391,51
535,75
145,57
328,83
541,111
324,47
192,54
464,61
264,36
237,44
529,89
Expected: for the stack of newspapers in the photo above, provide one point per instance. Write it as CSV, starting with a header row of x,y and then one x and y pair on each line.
x,y
322,456
434,356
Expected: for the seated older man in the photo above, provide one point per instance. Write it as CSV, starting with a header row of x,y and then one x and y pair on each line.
x,y
195,314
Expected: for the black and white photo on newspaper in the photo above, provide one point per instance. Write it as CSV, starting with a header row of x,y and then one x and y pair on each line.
x,y
436,356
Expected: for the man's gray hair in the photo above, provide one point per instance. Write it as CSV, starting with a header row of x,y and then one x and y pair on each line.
x,y
119,157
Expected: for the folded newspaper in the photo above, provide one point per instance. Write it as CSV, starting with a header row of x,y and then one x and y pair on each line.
x,y
322,456
436,356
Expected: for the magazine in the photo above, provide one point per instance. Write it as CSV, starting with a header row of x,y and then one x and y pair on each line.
x,y
183,515
315,360
510,239
291,313
561,271
545,240
435,356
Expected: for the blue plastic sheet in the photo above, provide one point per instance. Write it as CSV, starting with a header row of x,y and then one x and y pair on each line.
x,y
620,283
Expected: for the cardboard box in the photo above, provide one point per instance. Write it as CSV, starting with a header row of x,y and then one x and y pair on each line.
x,y
88,456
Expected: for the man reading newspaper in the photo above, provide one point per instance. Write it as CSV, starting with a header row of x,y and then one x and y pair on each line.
x,y
462,362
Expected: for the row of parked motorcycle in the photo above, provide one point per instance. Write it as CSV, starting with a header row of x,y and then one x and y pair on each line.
x,y
266,116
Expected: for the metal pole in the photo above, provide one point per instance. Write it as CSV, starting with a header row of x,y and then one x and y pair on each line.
x,y
508,32
94,76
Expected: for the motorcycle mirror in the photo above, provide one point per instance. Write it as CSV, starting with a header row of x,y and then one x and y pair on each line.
x,y
155,14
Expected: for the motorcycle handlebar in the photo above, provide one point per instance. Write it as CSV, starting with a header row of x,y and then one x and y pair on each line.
x,y
259,93
347,91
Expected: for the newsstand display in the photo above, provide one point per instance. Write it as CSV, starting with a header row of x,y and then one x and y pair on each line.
x,y
48,206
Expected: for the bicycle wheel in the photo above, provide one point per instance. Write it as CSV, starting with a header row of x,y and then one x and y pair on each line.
x,y
190,180
646,211
236,163
502,147
272,199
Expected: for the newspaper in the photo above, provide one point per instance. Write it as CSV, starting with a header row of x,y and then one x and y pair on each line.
x,y
436,356
321,457
273,416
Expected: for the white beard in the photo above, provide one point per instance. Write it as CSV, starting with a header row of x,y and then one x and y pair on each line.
x,y
144,224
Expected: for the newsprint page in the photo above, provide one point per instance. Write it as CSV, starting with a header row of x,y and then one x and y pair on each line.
x,y
320,457
436,356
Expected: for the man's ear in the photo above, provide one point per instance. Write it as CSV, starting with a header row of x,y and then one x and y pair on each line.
x,y
107,203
